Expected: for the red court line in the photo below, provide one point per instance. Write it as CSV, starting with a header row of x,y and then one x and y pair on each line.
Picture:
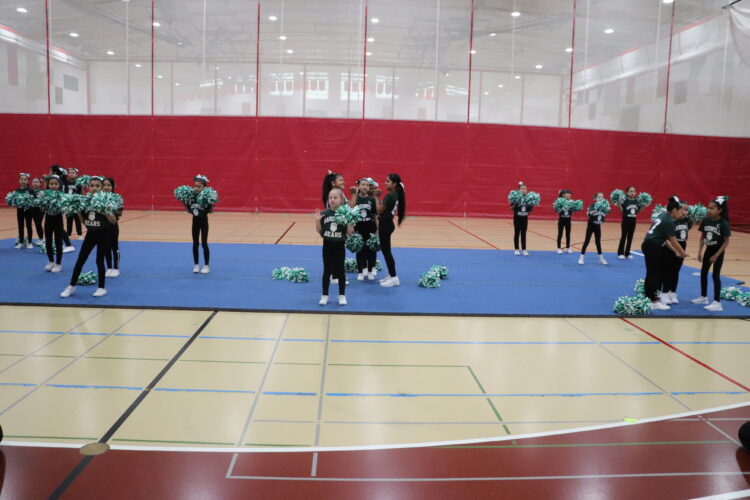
x,y
474,235
284,233
704,365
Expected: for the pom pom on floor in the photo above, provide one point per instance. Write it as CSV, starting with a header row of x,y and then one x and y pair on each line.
x,y
88,278
632,306
441,271
291,274
430,279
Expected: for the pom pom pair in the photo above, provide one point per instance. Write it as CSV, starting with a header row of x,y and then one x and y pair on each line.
x,y
516,198
632,306
291,274
83,181
72,204
24,201
737,294
561,204
208,196
346,215
374,242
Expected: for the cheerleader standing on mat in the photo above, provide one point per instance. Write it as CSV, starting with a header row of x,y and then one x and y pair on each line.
x,y
594,227
113,256
563,223
393,203
630,208
367,225
655,250
24,216
716,233
520,221
73,188
53,225
62,175
334,249
200,225
674,263
98,234
36,213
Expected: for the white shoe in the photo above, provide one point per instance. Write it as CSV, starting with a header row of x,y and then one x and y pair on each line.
x,y
196,268
714,306
664,298
700,300
580,259
559,251
516,252
115,273
38,242
525,253
342,300
49,266
393,281
361,276
108,273
100,292
323,300
56,268
658,306
67,292
621,257
570,250
205,270
371,276
69,249
29,245
630,257
602,260
18,246
673,298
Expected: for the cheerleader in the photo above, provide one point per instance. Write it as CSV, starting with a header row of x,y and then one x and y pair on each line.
x,y
98,234
630,208
200,224
674,263
72,188
393,203
655,250
62,176
36,213
24,216
367,225
563,222
53,226
112,257
716,233
334,249
520,220
594,227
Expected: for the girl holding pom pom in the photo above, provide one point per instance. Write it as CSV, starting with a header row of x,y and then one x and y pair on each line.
x,y
334,250
24,212
49,204
393,203
565,214
367,225
113,256
73,188
597,212
630,208
716,233
673,262
36,213
200,213
521,211
62,176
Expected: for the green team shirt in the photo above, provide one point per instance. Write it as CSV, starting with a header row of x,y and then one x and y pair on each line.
x,y
630,209
661,229
681,229
714,231
389,202
366,207
329,228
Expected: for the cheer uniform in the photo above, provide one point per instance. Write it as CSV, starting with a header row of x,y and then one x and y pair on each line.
x,y
630,209
200,230
714,234
24,217
520,223
594,227
655,253
54,232
365,227
385,230
99,235
73,189
334,250
563,223
673,262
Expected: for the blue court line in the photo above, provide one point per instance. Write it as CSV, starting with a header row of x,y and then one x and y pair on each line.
x,y
76,386
406,395
706,392
18,384
499,342
31,331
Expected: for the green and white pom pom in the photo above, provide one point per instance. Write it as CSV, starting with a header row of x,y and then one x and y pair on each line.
x,y
83,180
515,197
577,206
43,248
561,204
208,196
280,273
355,242
602,206
533,199
378,266
617,196
350,266
24,201
632,306
374,242
730,293
430,279
184,194
72,204
644,199
346,215
298,275
88,278
697,212
743,299
640,288
49,202
441,271
658,210
104,203
10,199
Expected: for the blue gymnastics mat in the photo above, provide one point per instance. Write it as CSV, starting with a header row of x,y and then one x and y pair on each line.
x,y
481,282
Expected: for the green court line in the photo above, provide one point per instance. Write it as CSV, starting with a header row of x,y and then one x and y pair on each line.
x,y
51,356
588,445
396,365
171,441
494,409
77,438
299,364
271,445
124,357
221,361
17,355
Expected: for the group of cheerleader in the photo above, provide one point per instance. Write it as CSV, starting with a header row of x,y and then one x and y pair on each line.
x,y
62,195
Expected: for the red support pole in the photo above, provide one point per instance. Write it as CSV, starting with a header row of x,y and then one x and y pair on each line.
x,y
364,66
572,60
49,80
471,56
669,67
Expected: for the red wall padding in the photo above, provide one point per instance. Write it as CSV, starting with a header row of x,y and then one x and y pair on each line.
x,y
277,164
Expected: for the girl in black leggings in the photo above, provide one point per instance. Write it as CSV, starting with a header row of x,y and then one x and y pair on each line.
x,y
24,216
113,256
53,228
594,227
563,223
200,226
520,221
36,213
365,204
630,208
393,203
334,245
716,233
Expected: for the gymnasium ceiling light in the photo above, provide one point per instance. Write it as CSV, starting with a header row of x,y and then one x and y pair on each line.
x,y
137,65
515,13
374,20
282,37
493,34
368,54
73,34
110,52
289,51
609,31
156,24
22,10
569,50
500,85
272,18
370,39
538,66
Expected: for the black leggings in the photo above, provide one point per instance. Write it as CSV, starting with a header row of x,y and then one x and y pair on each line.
x,y
520,224
113,256
38,216
596,230
710,251
563,223
101,239
384,231
334,254
77,220
24,217
672,270
200,228
365,257
656,261
626,239
53,232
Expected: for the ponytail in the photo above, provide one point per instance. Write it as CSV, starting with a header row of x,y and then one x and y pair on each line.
x,y
722,203
673,203
327,180
401,209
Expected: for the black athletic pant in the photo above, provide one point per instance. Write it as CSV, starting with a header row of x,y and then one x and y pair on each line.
x,y
113,256
200,228
38,216
384,232
24,217
520,224
53,232
710,251
626,238
334,254
65,238
563,223
365,257
596,230
672,269
77,220
655,266
101,239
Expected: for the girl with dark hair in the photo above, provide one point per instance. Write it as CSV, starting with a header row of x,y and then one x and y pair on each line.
x,y
630,208
113,256
654,249
53,227
394,203
671,277
563,222
62,177
594,227
72,188
36,213
330,181
200,225
334,249
520,221
367,225
24,216
716,233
